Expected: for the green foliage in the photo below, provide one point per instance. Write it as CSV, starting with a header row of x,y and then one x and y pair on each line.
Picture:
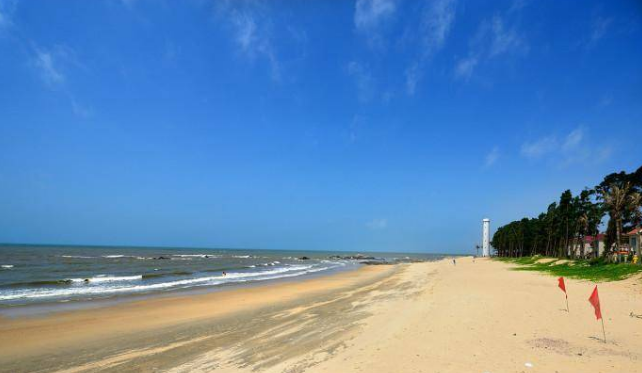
x,y
566,223
596,269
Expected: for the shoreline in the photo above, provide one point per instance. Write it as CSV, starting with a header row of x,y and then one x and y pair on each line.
x,y
433,316
65,278
46,308
28,337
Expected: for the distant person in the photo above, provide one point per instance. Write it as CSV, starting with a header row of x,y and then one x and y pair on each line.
x,y
224,274
454,262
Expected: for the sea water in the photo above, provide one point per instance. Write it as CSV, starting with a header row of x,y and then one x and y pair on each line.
x,y
37,274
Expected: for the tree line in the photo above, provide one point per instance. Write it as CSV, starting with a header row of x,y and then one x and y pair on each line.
x,y
565,223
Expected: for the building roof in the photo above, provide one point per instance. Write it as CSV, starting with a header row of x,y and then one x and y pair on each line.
x,y
589,239
634,231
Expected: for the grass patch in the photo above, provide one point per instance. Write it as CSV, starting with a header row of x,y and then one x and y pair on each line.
x,y
594,270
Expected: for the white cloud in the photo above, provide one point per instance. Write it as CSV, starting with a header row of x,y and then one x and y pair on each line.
x,y
4,20
370,14
576,147
539,148
503,40
605,101
128,3
413,76
80,110
6,10
51,64
437,18
245,31
377,224
573,140
599,29
494,38
465,67
355,127
251,28
491,157
363,79
49,73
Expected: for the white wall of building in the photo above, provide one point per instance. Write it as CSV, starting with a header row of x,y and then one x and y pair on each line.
x,y
486,237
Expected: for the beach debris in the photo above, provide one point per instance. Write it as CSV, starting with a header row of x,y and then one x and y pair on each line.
x,y
528,365
635,315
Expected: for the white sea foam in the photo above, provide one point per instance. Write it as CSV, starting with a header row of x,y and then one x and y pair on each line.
x,y
106,278
113,256
6,266
109,289
77,256
196,256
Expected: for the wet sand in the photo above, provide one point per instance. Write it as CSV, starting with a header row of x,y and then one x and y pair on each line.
x,y
423,317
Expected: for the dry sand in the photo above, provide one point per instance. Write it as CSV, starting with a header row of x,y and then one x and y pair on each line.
x,y
423,317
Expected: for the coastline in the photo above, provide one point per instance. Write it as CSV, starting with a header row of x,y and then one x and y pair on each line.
x,y
26,340
433,316
45,309
64,277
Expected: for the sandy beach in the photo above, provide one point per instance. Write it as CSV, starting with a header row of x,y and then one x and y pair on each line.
x,y
422,317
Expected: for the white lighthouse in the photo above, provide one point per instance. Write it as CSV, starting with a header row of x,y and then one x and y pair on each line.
x,y
486,237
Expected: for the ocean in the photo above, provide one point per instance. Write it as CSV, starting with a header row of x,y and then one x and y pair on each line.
x,y
44,274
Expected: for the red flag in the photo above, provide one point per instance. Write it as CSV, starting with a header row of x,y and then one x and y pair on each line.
x,y
560,283
594,299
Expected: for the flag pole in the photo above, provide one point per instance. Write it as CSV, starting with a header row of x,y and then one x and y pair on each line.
x,y
567,304
603,332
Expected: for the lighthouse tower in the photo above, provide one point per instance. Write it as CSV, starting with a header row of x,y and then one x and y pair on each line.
x,y
486,237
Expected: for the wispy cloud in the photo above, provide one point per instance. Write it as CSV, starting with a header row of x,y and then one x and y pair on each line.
x,y
465,67
413,76
540,147
7,8
49,73
503,39
377,224
80,110
605,100
128,3
573,140
436,22
494,38
363,79
437,18
4,19
252,32
370,14
51,65
599,28
576,147
491,158
355,127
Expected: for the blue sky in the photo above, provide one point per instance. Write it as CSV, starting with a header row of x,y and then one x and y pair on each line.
x,y
387,125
